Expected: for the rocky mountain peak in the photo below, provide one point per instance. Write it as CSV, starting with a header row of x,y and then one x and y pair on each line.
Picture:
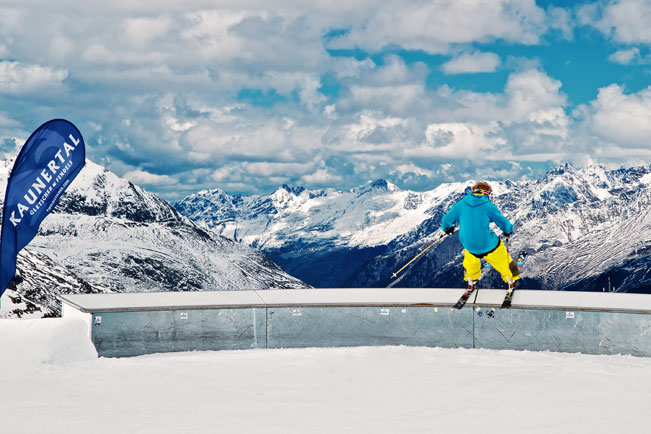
x,y
109,235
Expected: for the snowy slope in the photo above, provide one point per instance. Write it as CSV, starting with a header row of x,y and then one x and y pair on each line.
x,y
584,226
55,384
107,234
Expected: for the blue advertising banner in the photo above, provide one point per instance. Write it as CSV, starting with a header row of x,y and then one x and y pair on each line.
x,y
49,161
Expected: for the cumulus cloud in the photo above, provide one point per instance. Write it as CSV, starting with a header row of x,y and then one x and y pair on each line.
x,y
142,31
19,78
436,25
531,92
529,97
321,177
461,140
622,119
626,21
472,63
369,131
561,20
394,88
626,57
182,96
527,121
141,177
396,99
411,168
275,169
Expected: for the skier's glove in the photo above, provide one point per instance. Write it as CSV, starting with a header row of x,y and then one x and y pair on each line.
x,y
508,235
449,231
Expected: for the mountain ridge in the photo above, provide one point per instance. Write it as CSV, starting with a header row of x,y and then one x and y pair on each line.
x,y
108,235
579,224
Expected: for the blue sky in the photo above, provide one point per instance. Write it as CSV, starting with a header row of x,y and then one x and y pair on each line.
x,y
180,96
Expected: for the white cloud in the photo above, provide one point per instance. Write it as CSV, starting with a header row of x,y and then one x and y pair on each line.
x,y
394,71
60,47
410,167
263,141
369,131
108,54
626,57
141,177
529,96
176,72
394,88
626,21
225,173
346,67
269,169
532,91
560,19
397,99
210,33
630,56
526,122
435,25
330,112
306,85
460,141
622,119
472,63
140,32
321,177
18,78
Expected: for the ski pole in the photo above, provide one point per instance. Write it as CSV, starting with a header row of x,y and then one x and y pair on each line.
x,y
394,275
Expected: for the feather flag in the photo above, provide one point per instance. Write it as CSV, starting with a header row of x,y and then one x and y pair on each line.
x,y
48,162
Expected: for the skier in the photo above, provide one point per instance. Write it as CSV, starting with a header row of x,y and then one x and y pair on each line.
x,y
474,212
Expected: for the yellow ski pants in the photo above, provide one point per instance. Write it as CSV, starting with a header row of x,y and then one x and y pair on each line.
x,y
498,258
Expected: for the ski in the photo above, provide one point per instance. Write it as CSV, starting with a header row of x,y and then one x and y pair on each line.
x,y
466,295
509,296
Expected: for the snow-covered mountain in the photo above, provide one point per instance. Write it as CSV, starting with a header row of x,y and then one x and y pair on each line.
x,y
587,229
108,235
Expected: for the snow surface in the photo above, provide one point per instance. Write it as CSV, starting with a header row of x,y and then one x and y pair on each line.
x,y
54,383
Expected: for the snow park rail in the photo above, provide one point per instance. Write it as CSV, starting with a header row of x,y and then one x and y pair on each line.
x,y
133,324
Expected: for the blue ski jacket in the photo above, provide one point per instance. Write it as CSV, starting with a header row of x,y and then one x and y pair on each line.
x,y
474,214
